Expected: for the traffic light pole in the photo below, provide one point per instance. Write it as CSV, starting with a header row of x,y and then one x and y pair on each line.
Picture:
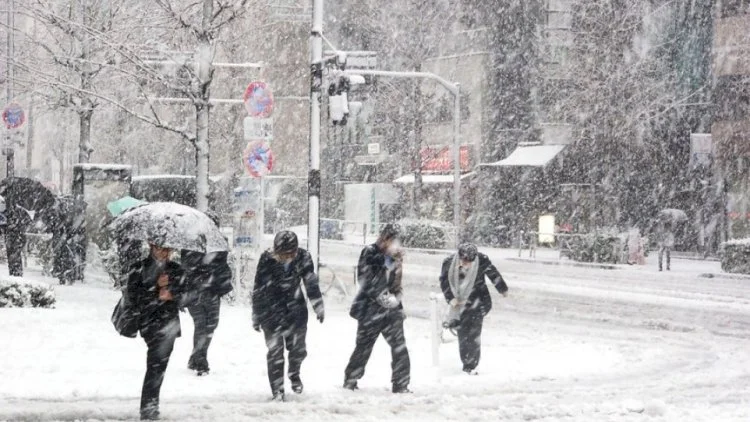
x,y
454,89
313,177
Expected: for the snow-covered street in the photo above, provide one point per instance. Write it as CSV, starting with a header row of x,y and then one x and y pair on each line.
x,y
568,344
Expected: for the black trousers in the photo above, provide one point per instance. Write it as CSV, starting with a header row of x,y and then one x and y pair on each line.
x,y
662,251
160,341
392,329
277,339
205,313
14,244
470,339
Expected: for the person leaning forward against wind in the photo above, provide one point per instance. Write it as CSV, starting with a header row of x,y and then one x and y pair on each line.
x,y
378,310
280,310
155,286
462,281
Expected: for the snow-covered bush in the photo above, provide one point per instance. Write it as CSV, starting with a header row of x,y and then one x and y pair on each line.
x,y
424,234
20,293
735,256
595,248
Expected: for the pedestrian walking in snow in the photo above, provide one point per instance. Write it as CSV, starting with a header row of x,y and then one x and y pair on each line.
x,y
210,277
462,281
666,244
378,310
280,310
154,289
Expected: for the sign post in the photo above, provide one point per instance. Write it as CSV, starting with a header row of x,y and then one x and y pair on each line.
x,y
14,117
257,158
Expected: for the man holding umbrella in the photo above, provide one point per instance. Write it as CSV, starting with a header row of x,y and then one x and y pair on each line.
x,y
280,310
665,239
154,290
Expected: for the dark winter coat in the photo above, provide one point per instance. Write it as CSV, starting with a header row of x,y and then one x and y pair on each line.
x,y
278,300
479,299
208,275
143,295
374,281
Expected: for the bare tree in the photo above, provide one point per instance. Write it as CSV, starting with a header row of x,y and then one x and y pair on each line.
x,y
95,45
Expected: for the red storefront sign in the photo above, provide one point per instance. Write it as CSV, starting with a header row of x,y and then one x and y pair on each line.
x,y
440,159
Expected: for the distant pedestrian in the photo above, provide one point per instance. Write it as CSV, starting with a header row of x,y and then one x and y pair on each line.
x,y
210,277
280,310
666,244
462,281
378,309
154,288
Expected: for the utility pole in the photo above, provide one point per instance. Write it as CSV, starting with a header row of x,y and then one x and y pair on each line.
x,y
9,77
313,177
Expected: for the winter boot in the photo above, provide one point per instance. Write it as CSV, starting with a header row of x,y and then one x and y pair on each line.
x,y
297,385
150,413
401,390
150,410
351,385
471,371
279,396
202,367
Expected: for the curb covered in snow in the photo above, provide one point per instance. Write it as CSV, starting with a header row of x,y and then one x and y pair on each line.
x,y
726,276
565,263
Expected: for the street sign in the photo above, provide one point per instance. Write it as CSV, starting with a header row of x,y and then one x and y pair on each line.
x,y
258,100
14,116
257,159
257,128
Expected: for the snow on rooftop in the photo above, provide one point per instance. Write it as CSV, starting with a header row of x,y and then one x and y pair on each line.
x,y
738,242
91,166
162,176
531,156
430,178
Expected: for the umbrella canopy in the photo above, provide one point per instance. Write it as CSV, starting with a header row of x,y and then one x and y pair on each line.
x,y
123,204
673,214
26,196
171,225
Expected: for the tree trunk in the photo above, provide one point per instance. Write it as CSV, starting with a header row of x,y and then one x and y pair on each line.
x,y
86,110
202,143
84,140
202,155
30,136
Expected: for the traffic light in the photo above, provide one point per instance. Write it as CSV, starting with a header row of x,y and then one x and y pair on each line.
x,y
338,100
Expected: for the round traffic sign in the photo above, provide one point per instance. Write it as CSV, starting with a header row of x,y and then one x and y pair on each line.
x,y
258,100
14,116
257,159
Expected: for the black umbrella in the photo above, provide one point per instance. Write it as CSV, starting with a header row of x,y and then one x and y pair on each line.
x,y
170,225
25,198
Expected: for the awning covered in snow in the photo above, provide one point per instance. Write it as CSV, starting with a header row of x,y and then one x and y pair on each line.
x,y
529,156
429,179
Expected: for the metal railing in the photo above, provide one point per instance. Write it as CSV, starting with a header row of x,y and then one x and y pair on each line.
x,y
362,233
563,243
